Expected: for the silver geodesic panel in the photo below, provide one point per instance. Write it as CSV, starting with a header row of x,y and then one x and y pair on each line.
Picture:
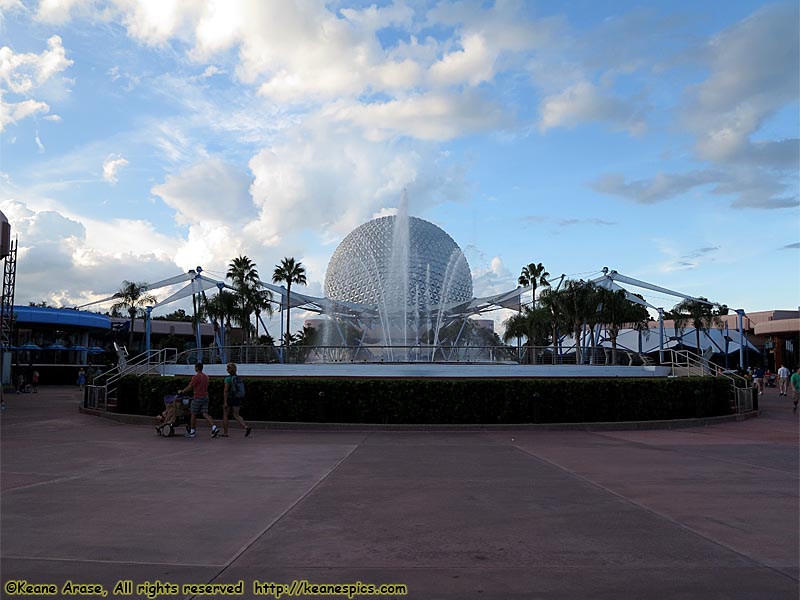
x,y
366,267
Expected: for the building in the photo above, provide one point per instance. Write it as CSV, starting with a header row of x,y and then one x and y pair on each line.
x,y
56,342
775,333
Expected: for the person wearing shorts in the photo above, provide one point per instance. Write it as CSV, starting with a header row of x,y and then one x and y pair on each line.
x,y
199,387
795,382
758,379
235,404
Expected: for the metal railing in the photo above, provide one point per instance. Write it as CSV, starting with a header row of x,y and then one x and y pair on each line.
x,y
525,355
102,389
688,364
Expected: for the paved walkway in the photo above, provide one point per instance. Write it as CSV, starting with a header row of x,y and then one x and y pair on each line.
x,y
694,513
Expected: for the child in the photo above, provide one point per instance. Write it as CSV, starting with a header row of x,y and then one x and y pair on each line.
x,y
175,407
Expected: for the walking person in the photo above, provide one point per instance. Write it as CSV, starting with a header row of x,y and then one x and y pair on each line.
x,y
81,378
199,387
35,381
758,379
795,381
783,380
233,397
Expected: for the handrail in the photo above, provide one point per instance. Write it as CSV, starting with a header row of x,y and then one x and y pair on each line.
x,y
419,353
693,360
154,360
742,389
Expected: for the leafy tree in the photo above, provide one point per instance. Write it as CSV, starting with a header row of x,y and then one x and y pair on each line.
x,y
266,340
533,275
252,298
700,314
261,301
178,315
617,312
534,324
578,305
551,301
133,297
306,336
221,307
173,341
289,272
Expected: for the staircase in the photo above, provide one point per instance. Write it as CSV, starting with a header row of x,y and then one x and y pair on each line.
x,y
688,364
102,390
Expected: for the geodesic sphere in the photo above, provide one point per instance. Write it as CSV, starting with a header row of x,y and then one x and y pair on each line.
x,y
369,267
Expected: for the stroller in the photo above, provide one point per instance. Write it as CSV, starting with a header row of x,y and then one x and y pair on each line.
x,y
176,412
770,380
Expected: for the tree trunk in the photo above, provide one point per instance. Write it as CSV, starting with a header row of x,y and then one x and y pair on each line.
x,y
613,347
130,334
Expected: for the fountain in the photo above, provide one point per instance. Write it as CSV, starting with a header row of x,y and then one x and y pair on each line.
x,y
405,271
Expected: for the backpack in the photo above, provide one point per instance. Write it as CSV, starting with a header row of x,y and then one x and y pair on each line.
x,y
237,387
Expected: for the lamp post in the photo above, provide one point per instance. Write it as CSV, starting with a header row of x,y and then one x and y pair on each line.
x,y
739,320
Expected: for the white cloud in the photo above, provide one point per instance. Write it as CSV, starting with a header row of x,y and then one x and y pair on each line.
x,y
754,72
491,279
330,182
678,259
473,63
58,12
13,112
79,254
11,5
208,192
650,191
111,167
154,23
584,102
23,73
435,117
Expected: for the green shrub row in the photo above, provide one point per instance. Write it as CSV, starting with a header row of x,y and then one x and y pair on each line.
x,y
463,401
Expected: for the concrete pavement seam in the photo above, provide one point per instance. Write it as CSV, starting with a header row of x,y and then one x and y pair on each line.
x,y
756,563
110,562
661,448
285,512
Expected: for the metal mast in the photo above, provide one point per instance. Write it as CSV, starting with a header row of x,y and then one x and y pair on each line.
x,y
7,303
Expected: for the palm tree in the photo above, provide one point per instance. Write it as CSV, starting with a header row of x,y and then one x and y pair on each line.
x,y
552,300
531,323
616,312
289,272
533,275
222,307
252,298
261,301
133,297
578,306
700,313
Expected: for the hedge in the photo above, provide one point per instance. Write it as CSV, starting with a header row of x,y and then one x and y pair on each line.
x,y
450,401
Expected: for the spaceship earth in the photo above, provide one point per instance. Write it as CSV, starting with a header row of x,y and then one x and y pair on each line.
x,y
424,269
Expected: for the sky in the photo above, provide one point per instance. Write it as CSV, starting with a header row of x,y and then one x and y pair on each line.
x,y
139,139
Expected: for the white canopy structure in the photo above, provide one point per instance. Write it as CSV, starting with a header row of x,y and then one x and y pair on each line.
x,y
611,279
358,314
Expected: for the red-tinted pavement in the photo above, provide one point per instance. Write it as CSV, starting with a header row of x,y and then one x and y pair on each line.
x,y
690,513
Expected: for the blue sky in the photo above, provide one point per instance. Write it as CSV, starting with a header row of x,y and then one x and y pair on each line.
x,y
140,139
